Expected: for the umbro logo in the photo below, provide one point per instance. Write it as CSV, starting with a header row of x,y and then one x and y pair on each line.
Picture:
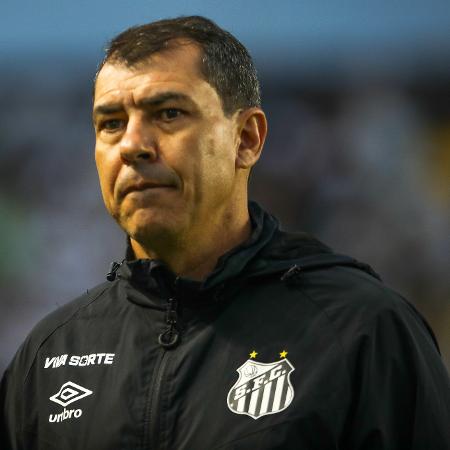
x,y
68,393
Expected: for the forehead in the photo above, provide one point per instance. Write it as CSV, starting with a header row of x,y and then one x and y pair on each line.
x,y
174,69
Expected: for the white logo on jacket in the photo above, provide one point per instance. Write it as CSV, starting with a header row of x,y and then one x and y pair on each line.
x,y
68,393
92,359
262,388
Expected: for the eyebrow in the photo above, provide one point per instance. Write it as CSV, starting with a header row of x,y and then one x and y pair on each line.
x,y
112,108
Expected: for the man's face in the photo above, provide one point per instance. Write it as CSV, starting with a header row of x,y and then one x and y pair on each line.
x,y
165,151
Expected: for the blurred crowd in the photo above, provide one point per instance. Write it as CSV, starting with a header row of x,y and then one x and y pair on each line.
x,y
363,166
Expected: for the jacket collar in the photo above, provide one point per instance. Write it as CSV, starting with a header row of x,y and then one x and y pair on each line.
x,y
155,276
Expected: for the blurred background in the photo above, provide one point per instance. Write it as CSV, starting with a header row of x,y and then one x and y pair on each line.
x,y
358,153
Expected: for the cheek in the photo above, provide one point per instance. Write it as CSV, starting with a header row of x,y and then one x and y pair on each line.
x,y
203,158
219,154
216,166
107,170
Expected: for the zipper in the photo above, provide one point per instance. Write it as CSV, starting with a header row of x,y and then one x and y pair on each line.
x,y
168,339
152,436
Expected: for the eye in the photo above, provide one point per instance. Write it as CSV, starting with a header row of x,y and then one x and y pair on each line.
x,y
111,124
169,114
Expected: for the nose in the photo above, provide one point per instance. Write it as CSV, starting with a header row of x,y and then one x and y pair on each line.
x,y
137,143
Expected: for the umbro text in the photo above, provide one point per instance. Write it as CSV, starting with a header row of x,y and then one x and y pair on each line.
x,y
66,414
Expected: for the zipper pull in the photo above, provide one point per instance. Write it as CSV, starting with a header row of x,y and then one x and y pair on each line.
x,y
291,274
111,275
169,338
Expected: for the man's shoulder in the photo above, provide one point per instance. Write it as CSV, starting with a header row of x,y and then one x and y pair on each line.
x,y
68,311
330,279
352,286
58,318
347,293
358,304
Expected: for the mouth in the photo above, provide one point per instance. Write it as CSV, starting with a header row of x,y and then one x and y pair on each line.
x,y
140,187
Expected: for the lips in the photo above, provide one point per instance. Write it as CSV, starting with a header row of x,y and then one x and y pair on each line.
x,y
142,186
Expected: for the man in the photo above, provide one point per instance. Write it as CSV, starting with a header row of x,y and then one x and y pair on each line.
x,y
218,330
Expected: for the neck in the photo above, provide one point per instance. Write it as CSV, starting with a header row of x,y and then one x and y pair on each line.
x,y
195,256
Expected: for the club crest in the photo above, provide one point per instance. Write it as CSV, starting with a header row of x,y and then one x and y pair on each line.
x,y
262,388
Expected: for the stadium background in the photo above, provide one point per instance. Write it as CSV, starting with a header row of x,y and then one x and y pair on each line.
x,y
358,153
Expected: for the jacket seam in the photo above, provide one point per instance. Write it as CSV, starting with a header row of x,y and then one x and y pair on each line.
x,y
380,289
332,327
60,326
398,301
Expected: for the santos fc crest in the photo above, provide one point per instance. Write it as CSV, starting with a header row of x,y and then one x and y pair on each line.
x,y
262,388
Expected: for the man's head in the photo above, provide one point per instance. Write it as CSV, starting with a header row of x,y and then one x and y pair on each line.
x,y
225,63
178,128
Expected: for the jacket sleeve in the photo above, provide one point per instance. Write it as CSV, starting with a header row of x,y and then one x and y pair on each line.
x,y
11,417
16,409
401,388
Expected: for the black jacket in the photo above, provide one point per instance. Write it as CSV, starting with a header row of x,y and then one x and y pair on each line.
x,y
286,345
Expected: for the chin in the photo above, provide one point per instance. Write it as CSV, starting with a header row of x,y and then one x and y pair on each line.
x,y
148,226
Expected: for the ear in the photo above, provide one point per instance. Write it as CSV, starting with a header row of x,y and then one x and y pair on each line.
x,y
252,132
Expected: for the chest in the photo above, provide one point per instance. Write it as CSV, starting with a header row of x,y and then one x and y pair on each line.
x,y
263,372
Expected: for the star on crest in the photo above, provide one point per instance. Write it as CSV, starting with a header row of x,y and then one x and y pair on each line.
x,y
253,354
283,354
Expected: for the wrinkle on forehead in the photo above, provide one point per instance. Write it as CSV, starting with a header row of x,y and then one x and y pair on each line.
x,y
173,64
118,83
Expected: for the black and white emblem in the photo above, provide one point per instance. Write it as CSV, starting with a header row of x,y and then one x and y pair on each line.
x,y
262,388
